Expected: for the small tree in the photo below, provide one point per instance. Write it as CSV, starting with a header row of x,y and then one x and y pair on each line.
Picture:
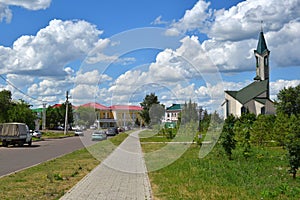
x,y
227,136
293,145
262,129
281,128
242,129
189,113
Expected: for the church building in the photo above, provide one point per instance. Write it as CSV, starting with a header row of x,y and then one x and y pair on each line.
x,y
255,97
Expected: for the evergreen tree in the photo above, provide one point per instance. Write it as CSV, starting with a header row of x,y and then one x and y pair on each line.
x,y
281,128
262,129
293,145
242,130
147,103
227,136
189,113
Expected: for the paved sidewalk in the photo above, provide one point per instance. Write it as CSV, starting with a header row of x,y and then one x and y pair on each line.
x,y
122,175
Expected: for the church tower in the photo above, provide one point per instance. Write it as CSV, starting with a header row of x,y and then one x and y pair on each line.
x,y
262,59
262,54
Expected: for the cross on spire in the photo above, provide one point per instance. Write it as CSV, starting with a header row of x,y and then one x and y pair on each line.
x,y
261,25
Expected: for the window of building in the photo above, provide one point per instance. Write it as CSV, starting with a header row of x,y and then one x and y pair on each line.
x,y
263,110
266,61
243,110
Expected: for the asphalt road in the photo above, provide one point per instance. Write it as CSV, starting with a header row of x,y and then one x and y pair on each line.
x,y
17,158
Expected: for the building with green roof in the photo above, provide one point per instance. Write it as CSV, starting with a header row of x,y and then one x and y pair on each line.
x,y
256,96
172,113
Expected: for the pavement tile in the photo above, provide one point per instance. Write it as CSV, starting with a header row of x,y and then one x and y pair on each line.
x,y
122,175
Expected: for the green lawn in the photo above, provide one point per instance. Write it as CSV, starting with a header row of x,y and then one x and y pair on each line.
x,y
50,180
263,176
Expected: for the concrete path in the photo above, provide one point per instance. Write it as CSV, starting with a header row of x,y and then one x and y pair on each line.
x,y
122,175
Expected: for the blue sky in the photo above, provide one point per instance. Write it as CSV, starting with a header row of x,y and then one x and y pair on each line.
x,y
115,52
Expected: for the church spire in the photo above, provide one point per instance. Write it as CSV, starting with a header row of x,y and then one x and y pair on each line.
x,y
262,54
261,45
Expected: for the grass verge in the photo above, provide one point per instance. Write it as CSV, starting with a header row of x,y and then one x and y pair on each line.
x,y
50,180
263,176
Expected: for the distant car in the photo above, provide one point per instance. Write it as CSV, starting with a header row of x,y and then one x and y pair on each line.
x,y
78,133
120,129
60,128
93,127
36,134
99,135
112,131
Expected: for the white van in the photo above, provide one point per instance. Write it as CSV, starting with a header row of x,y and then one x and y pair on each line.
x,y
15,133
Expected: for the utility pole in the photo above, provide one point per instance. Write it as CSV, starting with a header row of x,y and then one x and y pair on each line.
x,y
66,115
44,116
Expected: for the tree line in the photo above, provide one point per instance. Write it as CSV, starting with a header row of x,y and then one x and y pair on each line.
x,y
20,111
282,129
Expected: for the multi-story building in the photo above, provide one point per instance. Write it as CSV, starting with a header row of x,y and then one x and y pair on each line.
x,y
116,115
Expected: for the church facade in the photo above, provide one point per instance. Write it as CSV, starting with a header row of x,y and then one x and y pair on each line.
x,y
255,97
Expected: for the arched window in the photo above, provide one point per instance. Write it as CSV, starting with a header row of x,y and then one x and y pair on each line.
x,y
266,61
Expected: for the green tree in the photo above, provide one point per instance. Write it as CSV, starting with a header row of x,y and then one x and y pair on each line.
x,y
5,105
242,130
62,110
289,101
147,103
262,129
293,145
281,128
85,116
156,113
228,141
189,113
21,112
53,117
204,122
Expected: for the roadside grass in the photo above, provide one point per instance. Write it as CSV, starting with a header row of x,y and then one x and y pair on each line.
x,y
263,176
50,180
56,134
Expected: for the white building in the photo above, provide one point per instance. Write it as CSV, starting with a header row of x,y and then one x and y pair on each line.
x,y
255,97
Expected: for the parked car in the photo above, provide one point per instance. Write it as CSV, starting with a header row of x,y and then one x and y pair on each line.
x,y
112,131
36,134
78,132
15,133
99,135
93,127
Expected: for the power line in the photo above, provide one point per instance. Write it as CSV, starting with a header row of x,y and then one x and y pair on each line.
x,y
19,90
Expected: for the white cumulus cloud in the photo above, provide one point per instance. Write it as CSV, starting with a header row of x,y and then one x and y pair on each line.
x,y
6,13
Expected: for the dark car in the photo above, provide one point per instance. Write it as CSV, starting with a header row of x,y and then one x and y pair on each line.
x,y
112,131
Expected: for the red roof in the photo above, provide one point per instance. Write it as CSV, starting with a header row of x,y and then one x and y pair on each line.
x,y
96,106
125,107
56,105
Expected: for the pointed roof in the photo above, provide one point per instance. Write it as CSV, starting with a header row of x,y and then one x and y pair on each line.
x,y
250,92
261,45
